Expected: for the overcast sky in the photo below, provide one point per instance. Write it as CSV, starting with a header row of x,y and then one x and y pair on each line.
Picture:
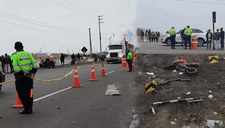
x,y
62,25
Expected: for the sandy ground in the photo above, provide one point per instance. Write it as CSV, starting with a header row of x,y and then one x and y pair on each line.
x,y
210,77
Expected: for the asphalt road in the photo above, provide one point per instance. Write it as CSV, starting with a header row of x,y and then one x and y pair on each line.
x,y
84,107
161,48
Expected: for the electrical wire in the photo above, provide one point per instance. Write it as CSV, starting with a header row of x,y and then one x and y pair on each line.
x,y
36,29
11,16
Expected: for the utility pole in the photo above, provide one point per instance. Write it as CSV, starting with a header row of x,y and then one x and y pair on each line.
x,y
99,22
90,42
214,21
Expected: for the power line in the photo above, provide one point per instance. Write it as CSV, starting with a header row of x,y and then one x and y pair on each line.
x,y
23,26
11,16
99,13
207,2
72,9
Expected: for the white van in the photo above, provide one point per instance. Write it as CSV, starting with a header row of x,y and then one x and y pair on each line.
x,y
201,36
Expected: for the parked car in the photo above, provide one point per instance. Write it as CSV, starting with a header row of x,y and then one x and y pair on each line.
x,y
199,33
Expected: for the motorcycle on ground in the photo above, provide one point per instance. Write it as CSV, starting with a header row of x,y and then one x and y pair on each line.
x,y
182,66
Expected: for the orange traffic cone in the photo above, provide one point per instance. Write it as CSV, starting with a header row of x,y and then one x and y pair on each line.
x,y
124,63
18,102
103,70
93,74
76,79
132,65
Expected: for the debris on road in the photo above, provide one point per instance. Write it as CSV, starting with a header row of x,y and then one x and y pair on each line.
x,y
181,73
173,123
135,122
174,71
218,83
210,91
189,100
166,81
188,93
111,90
210,96
211,123
150,73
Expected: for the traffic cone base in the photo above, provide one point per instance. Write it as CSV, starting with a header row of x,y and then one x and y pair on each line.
x,y
18,102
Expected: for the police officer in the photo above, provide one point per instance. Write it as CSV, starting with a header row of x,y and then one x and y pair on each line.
x,y
188,32
25,68
172,37
129,60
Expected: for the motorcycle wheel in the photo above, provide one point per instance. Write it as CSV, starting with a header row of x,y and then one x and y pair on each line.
x,y
191,70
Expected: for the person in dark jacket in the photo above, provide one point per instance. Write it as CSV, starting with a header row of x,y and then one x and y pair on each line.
x,y
182,37
78,57
3,64
7,62
73,59
209,38
10,63
150,35
222,38
62,59
217,39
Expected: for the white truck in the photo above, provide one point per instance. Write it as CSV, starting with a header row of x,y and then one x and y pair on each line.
x,y
116,50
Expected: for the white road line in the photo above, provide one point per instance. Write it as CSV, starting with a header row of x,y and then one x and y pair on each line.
x,y
60,91
109,72
52,94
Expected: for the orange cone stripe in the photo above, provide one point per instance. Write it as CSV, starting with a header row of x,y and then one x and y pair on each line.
x,y
31,93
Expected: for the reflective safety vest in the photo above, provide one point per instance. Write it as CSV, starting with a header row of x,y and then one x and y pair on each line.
x,y
23,61
129,56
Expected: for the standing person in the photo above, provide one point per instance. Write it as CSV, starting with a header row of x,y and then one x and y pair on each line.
x,y
182,37
73,59
188,32
222,38
0,60
78,57
129,60
172,37
217,39
150,35
25,67
146,35
209,38
10,63
6,61
158,35
3,64
62,59
153,36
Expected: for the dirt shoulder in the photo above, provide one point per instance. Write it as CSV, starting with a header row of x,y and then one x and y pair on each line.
x,y
210,77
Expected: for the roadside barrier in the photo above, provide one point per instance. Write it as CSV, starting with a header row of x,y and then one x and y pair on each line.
x,y
18,102
103,70
194,42
124,62
93,74
76,79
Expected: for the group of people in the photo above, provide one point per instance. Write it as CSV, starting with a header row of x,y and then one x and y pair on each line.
x,y
152,36
218,38
73,57
6,64
148,34
185,36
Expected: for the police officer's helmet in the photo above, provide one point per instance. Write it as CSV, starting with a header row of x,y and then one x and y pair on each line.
x,y
18,45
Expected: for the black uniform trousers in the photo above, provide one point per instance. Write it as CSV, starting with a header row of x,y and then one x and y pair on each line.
x,y
23,87
172,39
129,61
188,39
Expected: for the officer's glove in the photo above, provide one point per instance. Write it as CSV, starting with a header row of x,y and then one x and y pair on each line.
x,y
32,76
